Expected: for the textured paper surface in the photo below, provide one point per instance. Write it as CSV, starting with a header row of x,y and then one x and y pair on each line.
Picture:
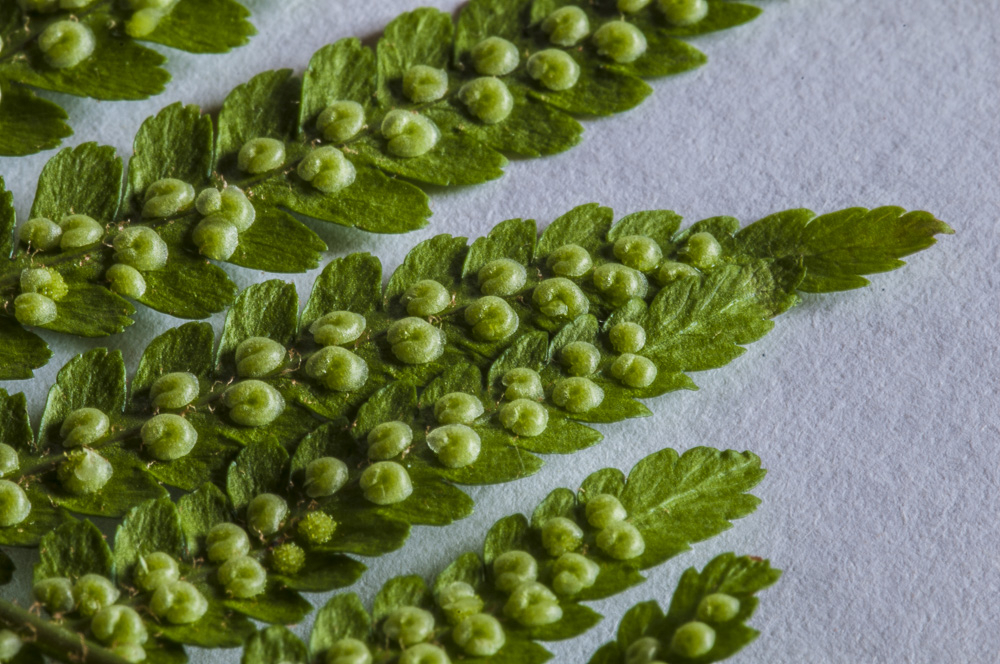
x,y
874,410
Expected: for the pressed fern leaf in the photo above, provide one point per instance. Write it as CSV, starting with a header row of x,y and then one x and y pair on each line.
x,y
100,57
722,597
373,187
684,498
691,319
689,510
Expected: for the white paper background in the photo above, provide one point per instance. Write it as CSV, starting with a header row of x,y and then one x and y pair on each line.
x,y
874,410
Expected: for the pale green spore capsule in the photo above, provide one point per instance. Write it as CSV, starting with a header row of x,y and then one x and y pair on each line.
x,y
643,650
230,203
337,369
480,635
456,445
141,247
561,535
288,559
580,358
560,299
457,408
570,260
618,283
14,504
638,252
55,594
260,155
458,600
349,651
84,426
718,608
502,277
495,56
225,541
632,6
693,639
130,652
143,22
151,4
671,271
424,653
317,527
179,603
577,394
93,592
533,605
266,513
9,461
243,577
216,237
409,625
702,250
341,121
491,318
325,476
168,437
41,233
167,197
627,337
155,569
338,328
514,568
524,417
409,134
119,624
34,309
79,230
10,645
605,509
253,403
66,43
566,26
634,370
621,540
385,483
683,12
126,281
174,390
426,298
620,41
327,169
422,84
573,573
43,281
84,471
488,99
257,357
415,341
522,383
388,440
554,69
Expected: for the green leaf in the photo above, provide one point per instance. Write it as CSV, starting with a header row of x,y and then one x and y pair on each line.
x,y
259,468
276,605
399,592
340,618
151,526
72,550
352,283
31,124
275,644
199,511
184,26
323,572
86,180
268,309
342,71
260,108
129,484
636,621
220,627
20,351
185,348
420,37
676,500
95,379
585,225
6,569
